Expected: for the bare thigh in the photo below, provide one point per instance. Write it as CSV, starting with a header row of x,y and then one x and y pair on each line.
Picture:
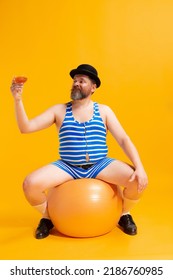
x,y
47,177
117,172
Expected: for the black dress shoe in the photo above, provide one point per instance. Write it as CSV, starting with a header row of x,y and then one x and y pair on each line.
x,y
127,224
43,228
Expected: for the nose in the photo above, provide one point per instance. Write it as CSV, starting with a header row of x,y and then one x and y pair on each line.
x,y
76,83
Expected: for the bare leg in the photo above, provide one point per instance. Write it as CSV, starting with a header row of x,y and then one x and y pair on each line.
x,y
119,173
36,186
43,179
39,181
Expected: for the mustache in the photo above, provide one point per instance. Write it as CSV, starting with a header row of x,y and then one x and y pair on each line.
x,y
75,88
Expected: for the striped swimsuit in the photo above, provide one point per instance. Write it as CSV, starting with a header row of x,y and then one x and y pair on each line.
x,y
82,144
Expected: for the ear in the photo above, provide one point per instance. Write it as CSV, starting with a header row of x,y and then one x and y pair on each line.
x,y
94,86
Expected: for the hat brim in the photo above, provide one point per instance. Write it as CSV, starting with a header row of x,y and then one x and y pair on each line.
x,y
87,73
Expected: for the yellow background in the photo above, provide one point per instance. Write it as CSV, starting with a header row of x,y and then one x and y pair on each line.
x,y
131,45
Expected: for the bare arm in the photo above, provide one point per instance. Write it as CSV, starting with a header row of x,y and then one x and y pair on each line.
x,y
25,125
128,147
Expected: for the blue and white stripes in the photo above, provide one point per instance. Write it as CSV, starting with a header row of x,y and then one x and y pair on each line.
x,y
79,139
78,172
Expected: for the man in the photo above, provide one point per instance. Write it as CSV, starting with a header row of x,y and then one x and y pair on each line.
x,y
82,126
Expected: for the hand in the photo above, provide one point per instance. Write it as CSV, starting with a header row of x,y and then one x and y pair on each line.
x,y
17,89
141,177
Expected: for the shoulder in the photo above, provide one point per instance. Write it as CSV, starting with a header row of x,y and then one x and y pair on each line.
x,y
58,107
59,111
106,113
104,109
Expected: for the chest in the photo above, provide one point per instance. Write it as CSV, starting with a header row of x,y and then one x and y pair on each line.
x,y
82,115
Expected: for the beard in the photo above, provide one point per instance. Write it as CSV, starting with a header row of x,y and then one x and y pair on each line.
x,y
77,94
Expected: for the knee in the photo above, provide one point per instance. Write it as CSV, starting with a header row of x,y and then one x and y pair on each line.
x,y
132,192
28,184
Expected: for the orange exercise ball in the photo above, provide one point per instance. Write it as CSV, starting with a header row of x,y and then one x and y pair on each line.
x,y
85,207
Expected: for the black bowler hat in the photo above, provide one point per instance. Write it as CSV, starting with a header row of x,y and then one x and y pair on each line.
x,y
87,70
